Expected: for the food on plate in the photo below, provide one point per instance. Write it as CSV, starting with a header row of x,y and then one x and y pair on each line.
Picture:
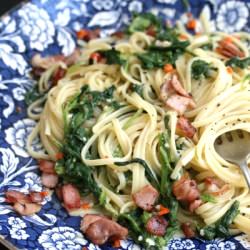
x,y
128,125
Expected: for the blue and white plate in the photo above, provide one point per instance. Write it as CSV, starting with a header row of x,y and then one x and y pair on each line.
x,y
49,26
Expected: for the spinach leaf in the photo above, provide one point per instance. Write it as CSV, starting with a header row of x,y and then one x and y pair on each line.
x,y
149,174
113,56
137,88
237,62
81,107
143,21
157,57
200,68
208,198
167,198
220,228
32,95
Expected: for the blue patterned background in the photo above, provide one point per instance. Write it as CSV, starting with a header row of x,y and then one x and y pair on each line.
x,y
49,27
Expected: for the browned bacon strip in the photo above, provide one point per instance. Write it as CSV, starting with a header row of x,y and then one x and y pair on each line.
x,y
185,128
71,196
27,208
100,229
47,167
49,180
146,197
157,225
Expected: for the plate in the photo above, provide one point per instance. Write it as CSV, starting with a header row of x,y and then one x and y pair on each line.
x,y
49,27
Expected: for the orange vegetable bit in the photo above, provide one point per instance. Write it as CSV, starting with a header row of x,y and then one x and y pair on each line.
x,y
85,206
168,68
163,210
96,57
84,248
44,193
230,70
116,243
191,24
82,34
59,155
227,39
183,37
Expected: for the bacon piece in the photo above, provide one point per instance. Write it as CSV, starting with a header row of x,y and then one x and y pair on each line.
x,y
71,196
146,197
59,193
13,196
187,230
186,189
36,197
100,229
46,62
151,31
229,49
27,208
195,204
176,84
49,180
89,219
47,167
179,103
175,96
157,225
185,128
59,74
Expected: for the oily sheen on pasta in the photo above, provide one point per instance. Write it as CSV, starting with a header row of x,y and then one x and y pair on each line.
x,y
214,90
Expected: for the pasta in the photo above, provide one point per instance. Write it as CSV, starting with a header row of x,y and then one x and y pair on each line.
x,y
121,132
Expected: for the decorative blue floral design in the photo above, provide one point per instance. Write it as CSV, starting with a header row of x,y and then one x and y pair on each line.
x,y
16,223
232,16
37,25
49,26
17,135
62,238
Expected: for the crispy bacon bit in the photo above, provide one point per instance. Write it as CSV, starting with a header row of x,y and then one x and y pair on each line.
x,y
179,103
13,196
187,230
36,197
146,197
215,186
49,180
59,156
71,196
89,219
157,225
58,74
175,96
47,167
27,208
118,34
195,204
186,190
100,229
176,84
151,31
185,128
228,49
46,62
59,193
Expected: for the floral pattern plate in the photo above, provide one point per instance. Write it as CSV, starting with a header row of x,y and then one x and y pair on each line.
x,y
49,27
